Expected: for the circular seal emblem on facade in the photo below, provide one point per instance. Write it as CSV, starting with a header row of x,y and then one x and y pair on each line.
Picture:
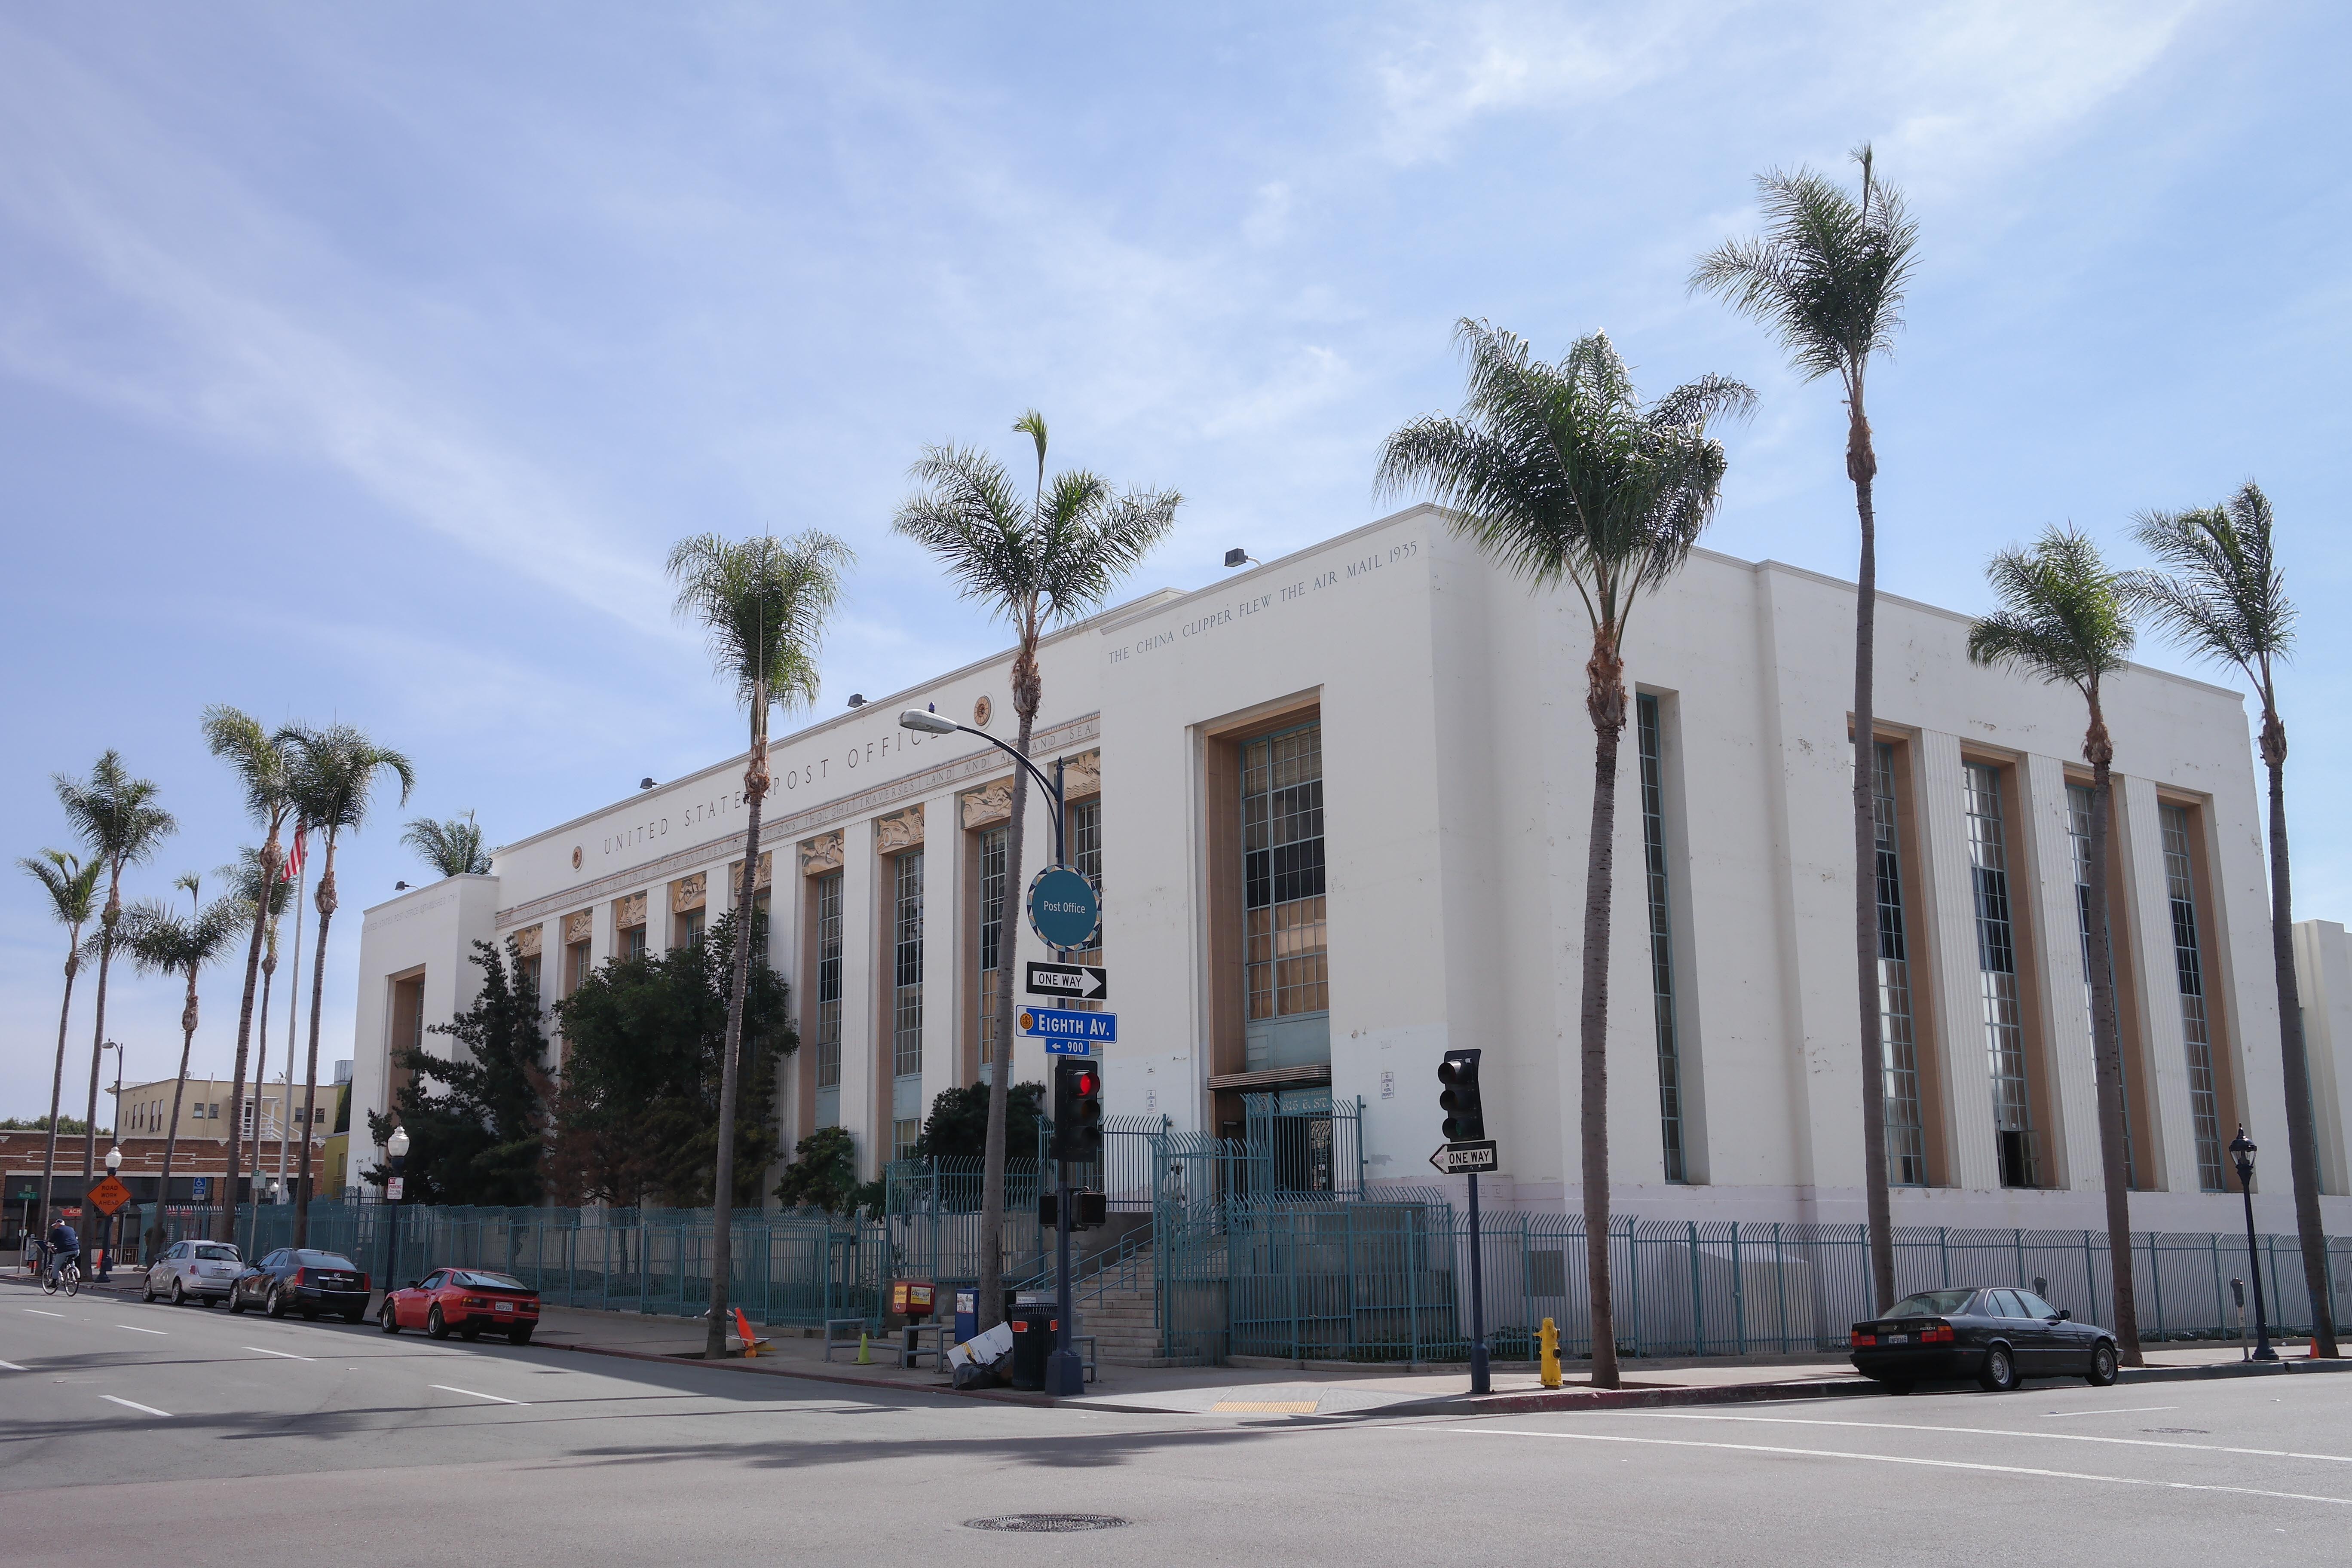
x,y
1064,909
980,711
575,856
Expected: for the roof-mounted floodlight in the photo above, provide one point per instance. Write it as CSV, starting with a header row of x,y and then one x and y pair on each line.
x,y
1241,558
928,723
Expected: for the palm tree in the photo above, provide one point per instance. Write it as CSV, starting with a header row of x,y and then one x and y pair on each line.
x,y
72,887
1563,475
2065,617
263,760
117,817
2221,593
763,604
250,882
1827,277
160,941
1037,564
331,783
453,848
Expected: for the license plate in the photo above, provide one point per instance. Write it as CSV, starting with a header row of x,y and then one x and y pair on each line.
x,y
1898,1339
505,1306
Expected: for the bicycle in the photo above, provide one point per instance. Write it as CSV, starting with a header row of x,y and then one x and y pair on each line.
x,y
68,1274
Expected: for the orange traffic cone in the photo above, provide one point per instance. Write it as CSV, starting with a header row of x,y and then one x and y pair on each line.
x,y
743,1329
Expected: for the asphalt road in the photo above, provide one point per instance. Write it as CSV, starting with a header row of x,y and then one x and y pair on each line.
x,y
150,1433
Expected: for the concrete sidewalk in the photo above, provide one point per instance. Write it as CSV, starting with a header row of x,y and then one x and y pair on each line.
x,y
1275,1388
1267,1387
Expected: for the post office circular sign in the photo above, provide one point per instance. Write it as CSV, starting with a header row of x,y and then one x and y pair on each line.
x,y
1064,909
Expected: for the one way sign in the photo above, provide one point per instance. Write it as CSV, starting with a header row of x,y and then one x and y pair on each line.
x,y
1079,982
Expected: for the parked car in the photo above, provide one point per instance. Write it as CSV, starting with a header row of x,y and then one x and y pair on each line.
x,y
198,1271
302,1280
1999,1336
467,1300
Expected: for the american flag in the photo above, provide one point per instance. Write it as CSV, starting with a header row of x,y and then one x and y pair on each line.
x,y
294,857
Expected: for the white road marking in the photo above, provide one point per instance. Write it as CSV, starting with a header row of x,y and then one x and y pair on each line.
x,y
142,1409
2126,1410
12,1366
260,1350
135,1328
1894,1459
471,1394
2002,1432
39,1314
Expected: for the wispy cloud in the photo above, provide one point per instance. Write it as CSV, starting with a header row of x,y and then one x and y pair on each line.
x,y
201,320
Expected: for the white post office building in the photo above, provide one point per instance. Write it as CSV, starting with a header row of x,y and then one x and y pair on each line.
x,y
1337,807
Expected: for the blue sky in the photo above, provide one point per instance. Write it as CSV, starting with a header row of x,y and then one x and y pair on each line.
x,y
362,364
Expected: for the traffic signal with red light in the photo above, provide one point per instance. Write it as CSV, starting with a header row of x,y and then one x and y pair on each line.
x,y
1466,1118
1077,1109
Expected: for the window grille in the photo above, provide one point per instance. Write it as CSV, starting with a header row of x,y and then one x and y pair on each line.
x,y
2080,800
2189,969
992,933
1283,901
1906,1138
2004,1017
907,967
1661,937
828,998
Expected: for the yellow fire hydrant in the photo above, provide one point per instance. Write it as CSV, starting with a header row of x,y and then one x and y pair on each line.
x,y
1549,1337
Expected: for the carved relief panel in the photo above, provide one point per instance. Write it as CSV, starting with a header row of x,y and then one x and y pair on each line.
x,y
820,854
898,831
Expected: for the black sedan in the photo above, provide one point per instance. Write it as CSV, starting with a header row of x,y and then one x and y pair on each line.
x,y
1999,1336
299,1279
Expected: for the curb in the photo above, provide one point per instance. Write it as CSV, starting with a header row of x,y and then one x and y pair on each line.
x,y
2279,1368
995,1396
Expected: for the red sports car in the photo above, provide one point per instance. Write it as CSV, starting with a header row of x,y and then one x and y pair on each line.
x,y
467,1300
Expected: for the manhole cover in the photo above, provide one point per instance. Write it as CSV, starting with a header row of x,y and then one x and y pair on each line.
x,y
1047,1523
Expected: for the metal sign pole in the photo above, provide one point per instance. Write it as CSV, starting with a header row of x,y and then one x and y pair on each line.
x,y
1480,1381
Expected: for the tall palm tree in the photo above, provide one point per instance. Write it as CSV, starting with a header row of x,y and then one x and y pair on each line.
x,y
331,783
763,603
161,942
117,817
2221,593
453,847
72,888
250,882
1564,476
263,760
1827,277
2066,618
1037,562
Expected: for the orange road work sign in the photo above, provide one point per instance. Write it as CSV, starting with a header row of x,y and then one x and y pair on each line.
x,y
109,1195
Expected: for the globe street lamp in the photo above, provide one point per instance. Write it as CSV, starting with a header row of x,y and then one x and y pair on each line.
x,y
2241,1154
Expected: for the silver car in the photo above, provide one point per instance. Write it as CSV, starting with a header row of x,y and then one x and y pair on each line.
x,y
199,1271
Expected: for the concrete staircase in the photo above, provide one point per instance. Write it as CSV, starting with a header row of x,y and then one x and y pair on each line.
x,y
1124,1324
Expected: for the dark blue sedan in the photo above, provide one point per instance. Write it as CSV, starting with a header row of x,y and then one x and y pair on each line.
x,y
2000,1336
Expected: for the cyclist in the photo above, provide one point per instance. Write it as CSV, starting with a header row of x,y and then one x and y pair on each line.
x,y
65,1248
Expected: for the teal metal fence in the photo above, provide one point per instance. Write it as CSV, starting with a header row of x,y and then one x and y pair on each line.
x,y
1388,1281
792,1267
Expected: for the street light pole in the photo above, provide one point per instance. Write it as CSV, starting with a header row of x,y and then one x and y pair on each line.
x,y
396,1148
2241,1154
1064,1373
114,1170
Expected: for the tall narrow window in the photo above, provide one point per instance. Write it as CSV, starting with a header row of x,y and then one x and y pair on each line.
x,y
633,941
905,992
2196,1027
992,944
1907,1135
1289,1017
2004,1016
1086,857
1661,937
828,1000
2079,803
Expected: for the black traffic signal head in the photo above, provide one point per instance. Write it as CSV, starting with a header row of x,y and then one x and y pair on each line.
x,y
1077,1109
1465,1118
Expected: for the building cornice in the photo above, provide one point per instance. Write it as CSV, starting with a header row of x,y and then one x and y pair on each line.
x,y
934,779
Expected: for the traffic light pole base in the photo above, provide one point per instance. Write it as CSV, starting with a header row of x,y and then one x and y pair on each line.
x,y
1066,1374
